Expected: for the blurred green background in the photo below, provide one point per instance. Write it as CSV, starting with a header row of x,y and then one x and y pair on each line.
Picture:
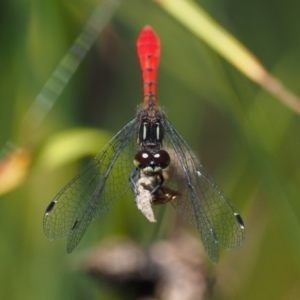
x,y
246,138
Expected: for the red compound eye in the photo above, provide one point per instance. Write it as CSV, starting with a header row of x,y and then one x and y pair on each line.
x,y
142,158
162,158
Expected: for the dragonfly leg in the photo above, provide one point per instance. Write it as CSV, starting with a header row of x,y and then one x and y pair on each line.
x,y
158,186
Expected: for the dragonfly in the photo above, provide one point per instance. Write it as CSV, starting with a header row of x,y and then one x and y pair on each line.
x,y
150,158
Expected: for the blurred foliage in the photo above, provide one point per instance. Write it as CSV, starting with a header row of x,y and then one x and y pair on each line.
x,y
247,139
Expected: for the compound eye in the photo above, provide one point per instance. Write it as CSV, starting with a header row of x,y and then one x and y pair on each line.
x,y
162,158
142,159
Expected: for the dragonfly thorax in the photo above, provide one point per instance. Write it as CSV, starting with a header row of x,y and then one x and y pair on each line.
x,y
150,131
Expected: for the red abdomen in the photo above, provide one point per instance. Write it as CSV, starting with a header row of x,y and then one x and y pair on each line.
x,y
148,49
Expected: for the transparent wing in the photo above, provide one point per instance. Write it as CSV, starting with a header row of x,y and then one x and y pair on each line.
x,y
94,190
201,202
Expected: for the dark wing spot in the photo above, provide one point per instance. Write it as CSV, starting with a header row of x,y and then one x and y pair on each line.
x,y
214,236
74,225
50,207
240,220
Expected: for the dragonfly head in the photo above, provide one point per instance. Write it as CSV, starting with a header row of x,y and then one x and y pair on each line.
x,y
152,163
